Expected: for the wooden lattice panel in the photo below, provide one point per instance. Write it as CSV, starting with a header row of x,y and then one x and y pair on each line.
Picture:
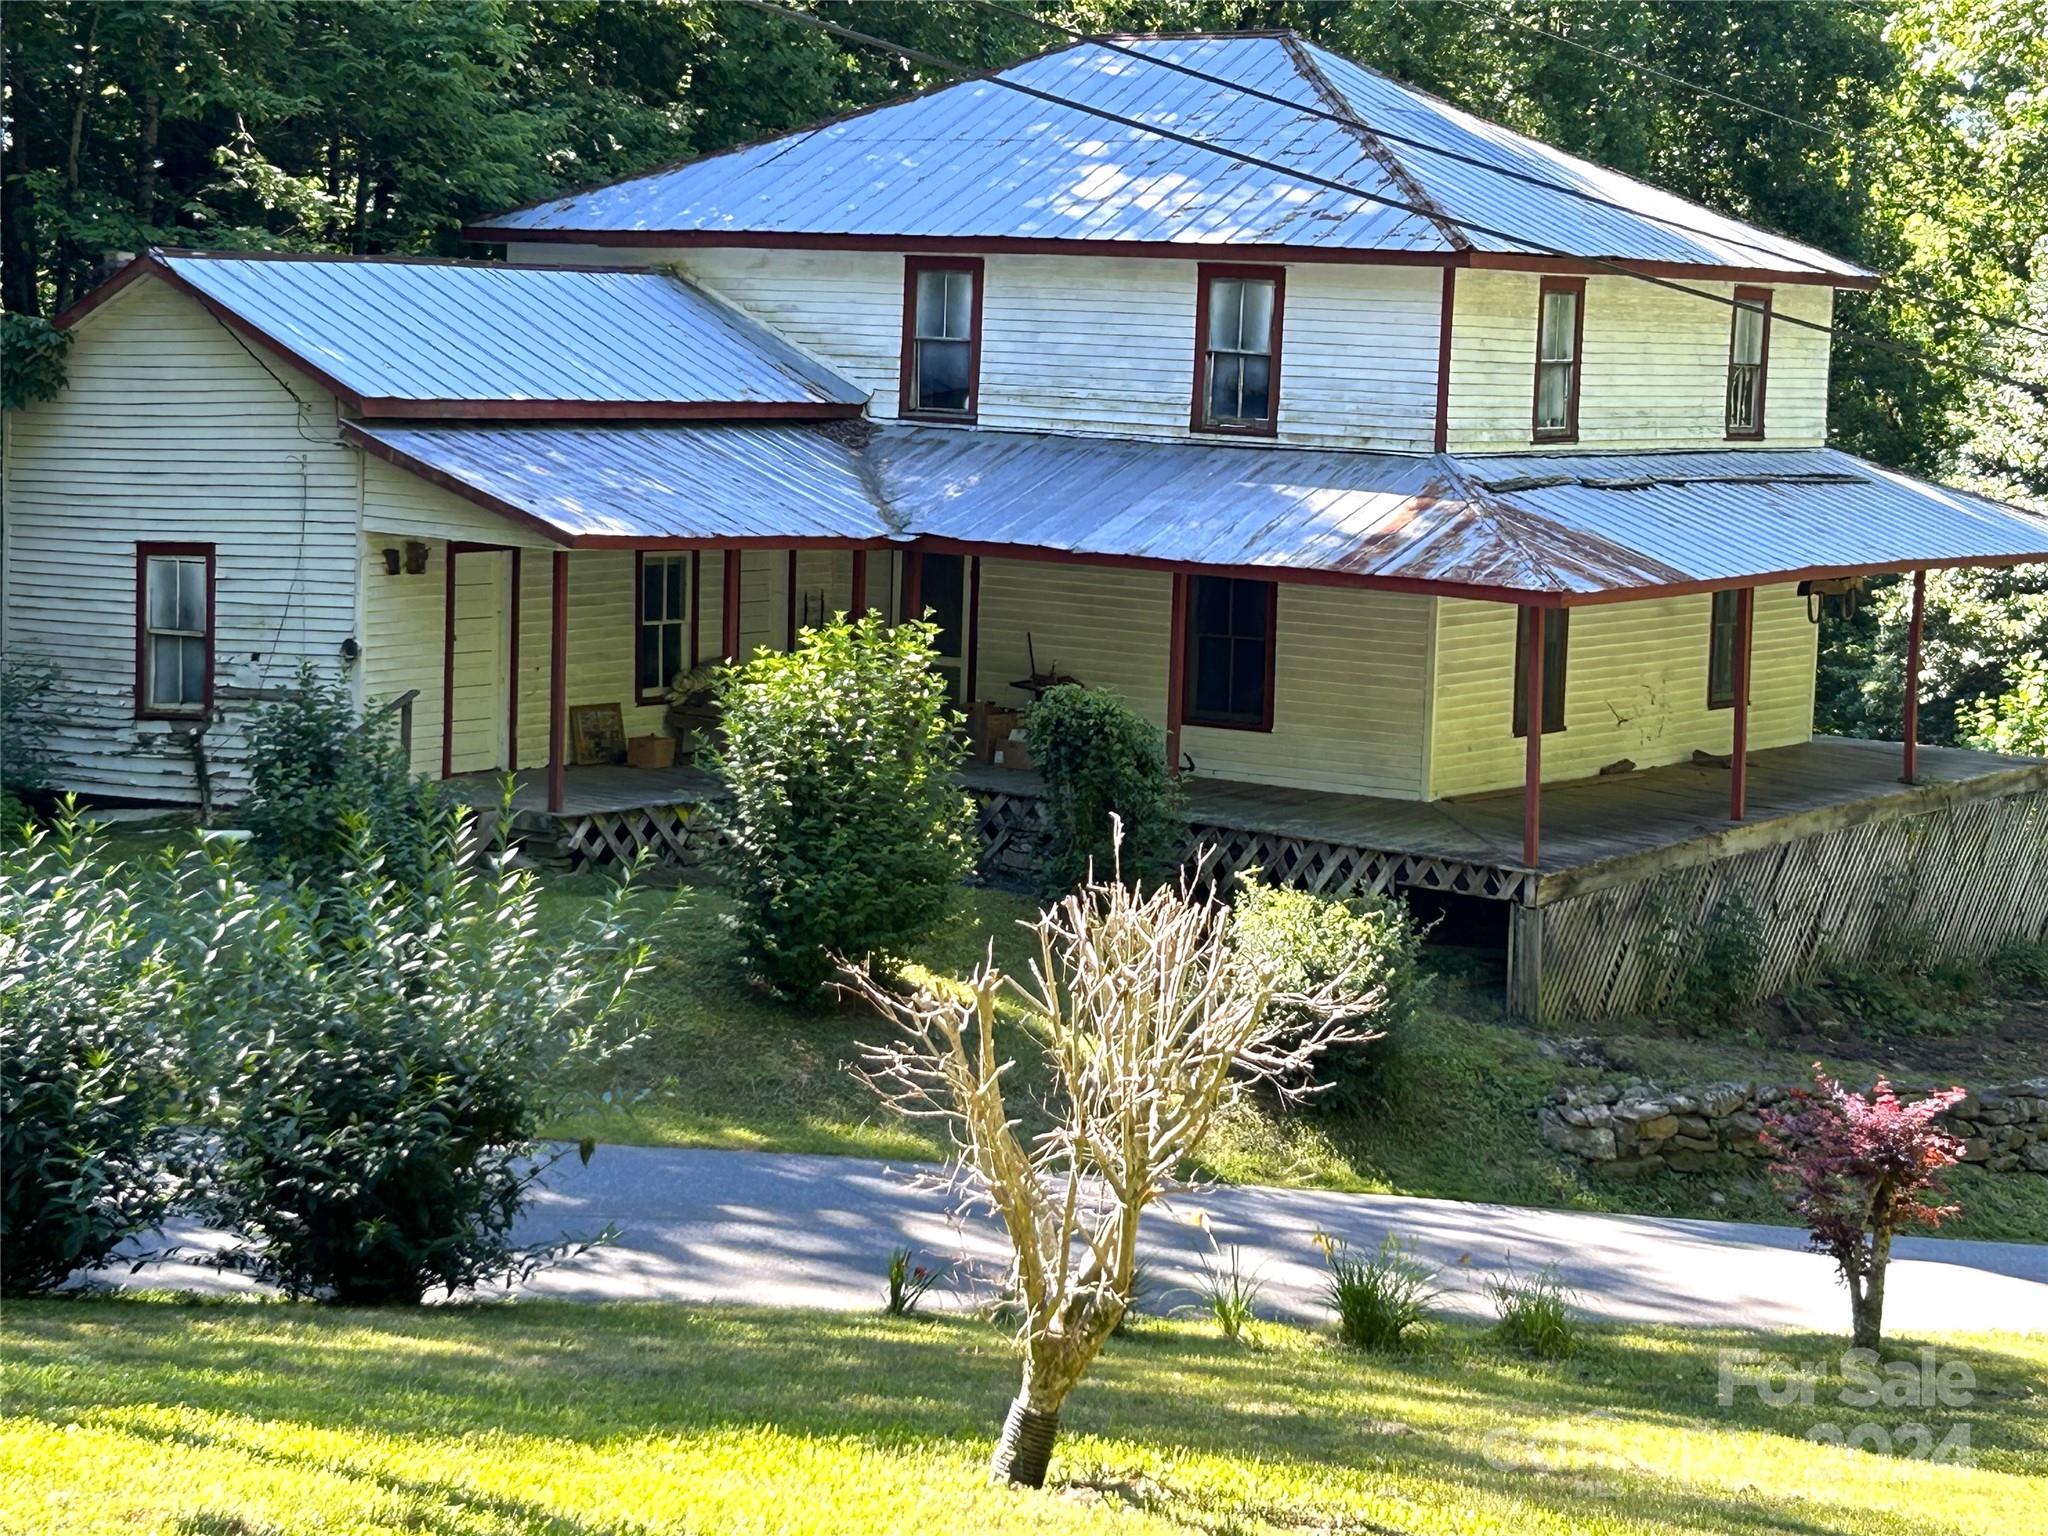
x,y
669,833
1965,880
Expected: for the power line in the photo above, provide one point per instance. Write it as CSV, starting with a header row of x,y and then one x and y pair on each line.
x,y
1355,122
1912,291
996,77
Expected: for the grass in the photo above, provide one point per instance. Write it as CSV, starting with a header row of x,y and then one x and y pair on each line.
x,y
258,1420
723,1066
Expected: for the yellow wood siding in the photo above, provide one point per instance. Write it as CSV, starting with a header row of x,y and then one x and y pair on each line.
x,y
171,430
402,642
1349,670
1636,688
1654,371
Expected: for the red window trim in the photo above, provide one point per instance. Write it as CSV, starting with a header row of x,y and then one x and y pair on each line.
x,y
143,550
1207,272
1569,433
660,696
906,365
1556,629
1189,715
1759,296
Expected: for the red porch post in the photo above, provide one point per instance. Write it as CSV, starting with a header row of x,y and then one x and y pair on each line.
x,y
1912,775
857,599
1738,761
729,607
789,603
913,584
1176,671
558,683
1532,761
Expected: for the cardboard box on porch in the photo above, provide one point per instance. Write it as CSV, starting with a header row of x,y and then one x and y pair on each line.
x,y
989,725
651,752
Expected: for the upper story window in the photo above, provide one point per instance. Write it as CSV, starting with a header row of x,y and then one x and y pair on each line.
x,y
662,625
1749,356
941,337
1556,655
1560,331
1237,348
173,630
1229,652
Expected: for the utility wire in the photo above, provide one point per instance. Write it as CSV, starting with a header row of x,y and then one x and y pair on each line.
x,y
1913,292
964,72
1356,123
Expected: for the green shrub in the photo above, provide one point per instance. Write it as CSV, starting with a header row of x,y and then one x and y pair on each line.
x,y
27,722
1309,940
1535,1313
393,1054
1099,757
845,832
313,768
1379,1298
90,1055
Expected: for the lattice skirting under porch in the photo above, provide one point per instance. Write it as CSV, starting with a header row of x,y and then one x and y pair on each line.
x,y
673,835
1963,881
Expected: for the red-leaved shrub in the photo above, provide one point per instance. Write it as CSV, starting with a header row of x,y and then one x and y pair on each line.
x,y
1861,1170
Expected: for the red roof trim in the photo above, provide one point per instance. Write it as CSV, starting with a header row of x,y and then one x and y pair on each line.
x,y
1182,250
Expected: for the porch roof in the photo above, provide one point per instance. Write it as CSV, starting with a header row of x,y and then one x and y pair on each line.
x,y
1555,529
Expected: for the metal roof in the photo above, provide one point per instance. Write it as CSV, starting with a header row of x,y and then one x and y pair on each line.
x,y
715,483
1573,527
388,334
975,160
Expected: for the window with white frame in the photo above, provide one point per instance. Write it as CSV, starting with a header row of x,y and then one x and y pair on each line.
x,y
174,629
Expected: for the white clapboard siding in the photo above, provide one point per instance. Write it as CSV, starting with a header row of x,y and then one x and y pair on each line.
x,y
403,637
1635,688
170,429
1654,372
1350,670
401,504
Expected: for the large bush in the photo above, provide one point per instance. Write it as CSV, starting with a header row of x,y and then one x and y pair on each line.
x,y
845,831
313,767
1307,941
90,1056
1100,758
393,1052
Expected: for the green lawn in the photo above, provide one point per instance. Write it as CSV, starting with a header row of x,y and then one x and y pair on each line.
x,y
253,1419
723,1066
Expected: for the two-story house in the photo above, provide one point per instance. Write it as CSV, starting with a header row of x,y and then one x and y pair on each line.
x,y
1460,511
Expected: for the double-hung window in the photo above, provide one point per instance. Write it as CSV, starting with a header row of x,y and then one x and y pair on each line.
x,y
173,630
1749,355
662,619
1560,330
941,337
1229,652
1237,349
1725,637
1556,654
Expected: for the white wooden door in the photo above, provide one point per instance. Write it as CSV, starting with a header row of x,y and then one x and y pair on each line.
x,y
477,719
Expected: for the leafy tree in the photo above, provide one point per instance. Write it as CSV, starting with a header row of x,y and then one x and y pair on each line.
x,y
315,769
390,1056
1861,1171
91,1054
845,833
2017,722
31,360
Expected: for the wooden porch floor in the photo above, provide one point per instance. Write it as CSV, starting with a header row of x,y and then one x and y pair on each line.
x,y
1825,782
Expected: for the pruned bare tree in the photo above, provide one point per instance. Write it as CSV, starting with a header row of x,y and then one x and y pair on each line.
x,y
1153,1023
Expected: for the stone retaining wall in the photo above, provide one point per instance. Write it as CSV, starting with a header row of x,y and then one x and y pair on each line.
x,y
1716,1127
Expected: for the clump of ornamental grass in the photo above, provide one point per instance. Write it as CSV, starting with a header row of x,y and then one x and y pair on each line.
x,y
1377,1297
